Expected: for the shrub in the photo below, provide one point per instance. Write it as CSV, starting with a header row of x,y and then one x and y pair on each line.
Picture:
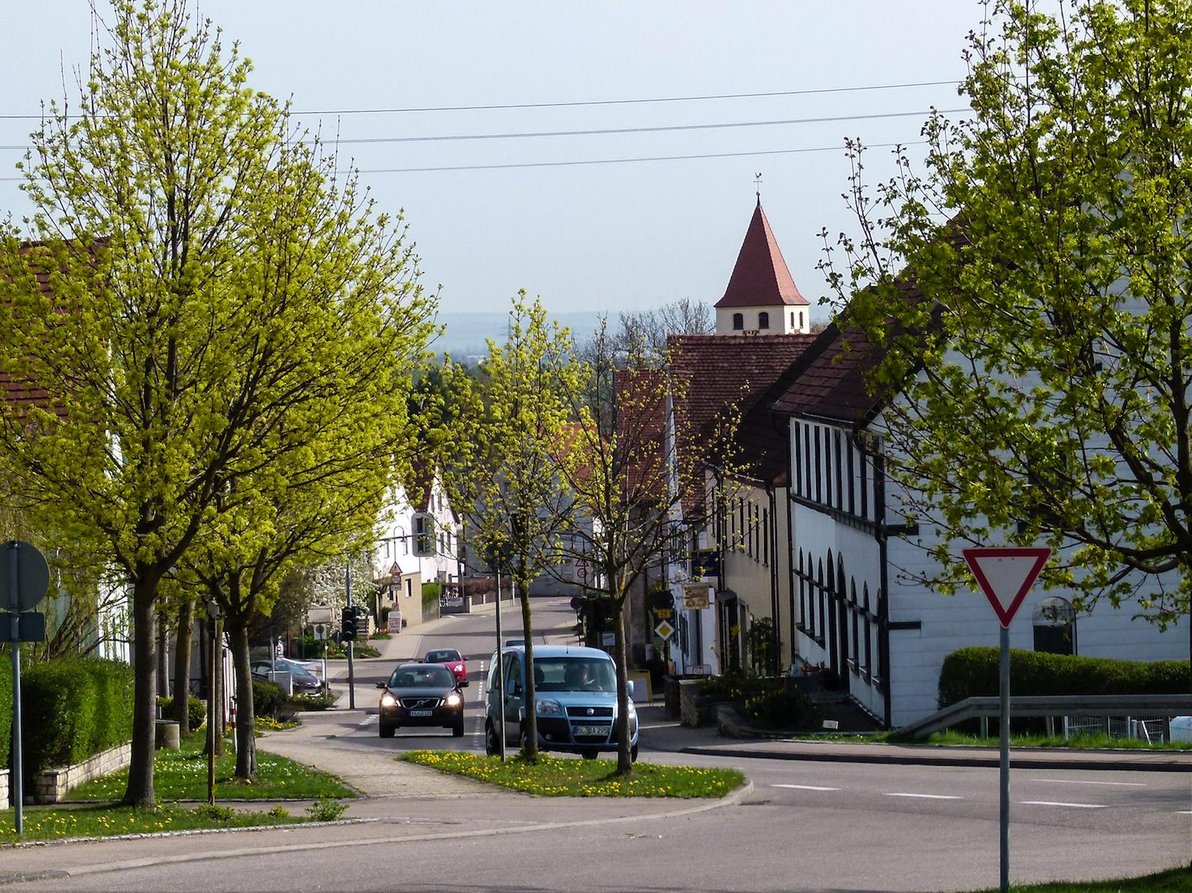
x,y
737,686
196,710
5,714
270,700
972,672
322,701
325,809
72,709
782,710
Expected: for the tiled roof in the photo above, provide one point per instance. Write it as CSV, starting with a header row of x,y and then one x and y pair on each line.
x,y
760,277
829,380
716,373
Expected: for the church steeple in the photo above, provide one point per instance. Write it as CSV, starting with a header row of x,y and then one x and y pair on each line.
x,y
761,294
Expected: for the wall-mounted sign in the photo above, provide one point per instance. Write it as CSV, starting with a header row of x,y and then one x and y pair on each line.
x,y
695,598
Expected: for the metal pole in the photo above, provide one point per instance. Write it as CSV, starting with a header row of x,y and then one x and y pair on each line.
x,y
1004,758
351,671
17,769
500,671
212,693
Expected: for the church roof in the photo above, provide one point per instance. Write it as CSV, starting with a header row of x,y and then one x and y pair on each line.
x,y
760,277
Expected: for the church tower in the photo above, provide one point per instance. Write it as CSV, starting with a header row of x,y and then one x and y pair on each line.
x,y
761,298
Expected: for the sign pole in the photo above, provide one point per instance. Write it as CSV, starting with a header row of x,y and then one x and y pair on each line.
x,y
17,769
1005,575
500,670
1004,758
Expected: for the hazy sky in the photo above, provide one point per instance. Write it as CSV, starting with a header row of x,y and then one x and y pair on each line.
x,y
650,203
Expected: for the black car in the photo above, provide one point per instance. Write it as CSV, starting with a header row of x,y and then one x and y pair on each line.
x,y
421,695
303,680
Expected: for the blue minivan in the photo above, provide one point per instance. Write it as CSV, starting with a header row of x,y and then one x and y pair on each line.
x,y
575,691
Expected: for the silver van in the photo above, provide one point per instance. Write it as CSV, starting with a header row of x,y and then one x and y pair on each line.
x,y
575,692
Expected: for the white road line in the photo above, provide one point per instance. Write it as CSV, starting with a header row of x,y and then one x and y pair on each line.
x,y
1059,803
371,718
804,787
1183,812
1120,784
924,796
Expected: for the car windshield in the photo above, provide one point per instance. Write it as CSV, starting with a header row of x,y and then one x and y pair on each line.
x,y
441,656
574,674
421,677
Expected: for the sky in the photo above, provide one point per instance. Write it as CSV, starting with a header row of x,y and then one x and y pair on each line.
x,y
602,156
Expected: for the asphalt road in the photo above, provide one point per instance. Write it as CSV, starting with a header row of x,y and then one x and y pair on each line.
x,y
803,825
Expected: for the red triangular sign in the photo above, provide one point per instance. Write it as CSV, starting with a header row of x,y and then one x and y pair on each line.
x,y
1006,575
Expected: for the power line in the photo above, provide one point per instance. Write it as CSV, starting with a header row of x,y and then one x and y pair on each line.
x,y
596,161
588,102
615,130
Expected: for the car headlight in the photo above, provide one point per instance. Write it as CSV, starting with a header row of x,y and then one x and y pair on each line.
x,y
453,700
387,700
548,708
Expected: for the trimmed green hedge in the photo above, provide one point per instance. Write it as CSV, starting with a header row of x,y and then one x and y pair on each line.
x,y
72,709
5,711
972,672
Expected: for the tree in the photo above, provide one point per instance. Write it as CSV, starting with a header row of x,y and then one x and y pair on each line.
x,y
644,333
638,468
201,272
1030,287
510,429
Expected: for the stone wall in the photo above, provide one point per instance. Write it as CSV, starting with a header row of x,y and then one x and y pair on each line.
x,y
51,786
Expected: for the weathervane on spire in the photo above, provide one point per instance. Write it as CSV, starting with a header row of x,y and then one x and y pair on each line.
x,y
757,181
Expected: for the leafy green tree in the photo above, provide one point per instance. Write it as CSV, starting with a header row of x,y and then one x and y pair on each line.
x,y
642,471
207,290
1029,287
510,428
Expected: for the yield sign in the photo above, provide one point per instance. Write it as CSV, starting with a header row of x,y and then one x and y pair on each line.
x,y
1006,575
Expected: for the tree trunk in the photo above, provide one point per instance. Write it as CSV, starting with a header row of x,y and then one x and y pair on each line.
x,y
144,711
530,748
624,751
182,651
246,748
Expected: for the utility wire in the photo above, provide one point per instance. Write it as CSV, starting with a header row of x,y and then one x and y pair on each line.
x,y
586,102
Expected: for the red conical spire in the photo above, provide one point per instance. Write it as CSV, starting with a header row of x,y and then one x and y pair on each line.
x,y
760,277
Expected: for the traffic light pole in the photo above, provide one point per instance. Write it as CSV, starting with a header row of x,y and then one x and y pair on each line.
x,y
351,642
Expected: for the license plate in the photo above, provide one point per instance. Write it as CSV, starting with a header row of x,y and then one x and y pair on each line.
x,y
421,712
589,731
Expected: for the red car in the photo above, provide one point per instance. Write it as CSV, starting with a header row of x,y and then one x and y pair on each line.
x,y
453,659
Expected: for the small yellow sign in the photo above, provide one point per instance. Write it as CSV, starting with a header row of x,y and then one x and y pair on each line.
x,y
663,630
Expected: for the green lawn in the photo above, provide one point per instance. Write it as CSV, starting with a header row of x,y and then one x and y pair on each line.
x,y
180,776
1176,880
561,777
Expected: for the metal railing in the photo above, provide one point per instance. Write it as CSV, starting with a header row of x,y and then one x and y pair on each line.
x,y
1050,707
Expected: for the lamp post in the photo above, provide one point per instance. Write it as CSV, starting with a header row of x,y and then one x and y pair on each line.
x,y
213,695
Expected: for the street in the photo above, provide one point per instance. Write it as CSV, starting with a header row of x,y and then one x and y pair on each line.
x,y
804,825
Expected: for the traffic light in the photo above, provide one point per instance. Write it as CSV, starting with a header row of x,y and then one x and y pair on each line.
x,y
347,625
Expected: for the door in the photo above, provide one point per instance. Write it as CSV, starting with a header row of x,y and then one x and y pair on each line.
x,y
514,695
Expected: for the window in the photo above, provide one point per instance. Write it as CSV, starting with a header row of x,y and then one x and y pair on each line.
x,y
1054,624
763,320
800,319
738,322
424,534
792,319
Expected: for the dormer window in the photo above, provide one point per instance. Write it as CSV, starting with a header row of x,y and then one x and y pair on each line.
x,y
738,322
763,320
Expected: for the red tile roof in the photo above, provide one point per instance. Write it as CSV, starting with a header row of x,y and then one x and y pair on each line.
x,y
716,374
760,277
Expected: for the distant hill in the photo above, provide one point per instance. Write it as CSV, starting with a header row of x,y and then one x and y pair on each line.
x,y
466,332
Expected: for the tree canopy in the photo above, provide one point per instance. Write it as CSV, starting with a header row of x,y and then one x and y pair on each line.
x,y
1030,285
222,321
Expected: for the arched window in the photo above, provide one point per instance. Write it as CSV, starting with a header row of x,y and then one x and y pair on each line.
x,y
792,319
868,633
763,320
1054,622
800,319
738,322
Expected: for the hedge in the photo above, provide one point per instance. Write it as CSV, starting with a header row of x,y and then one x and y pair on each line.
x,y
5,709
72,709
973,672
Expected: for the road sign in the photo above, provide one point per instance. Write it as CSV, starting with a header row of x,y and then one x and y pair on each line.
x,y
581,569
320,632
24,576
1006,575
31,627
663,630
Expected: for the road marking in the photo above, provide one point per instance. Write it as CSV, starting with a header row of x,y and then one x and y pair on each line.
x,y
368,719
924,796
804,787
1060,803
1122,784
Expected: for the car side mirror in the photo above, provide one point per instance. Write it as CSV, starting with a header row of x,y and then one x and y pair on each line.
x,y
380,685
629,687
